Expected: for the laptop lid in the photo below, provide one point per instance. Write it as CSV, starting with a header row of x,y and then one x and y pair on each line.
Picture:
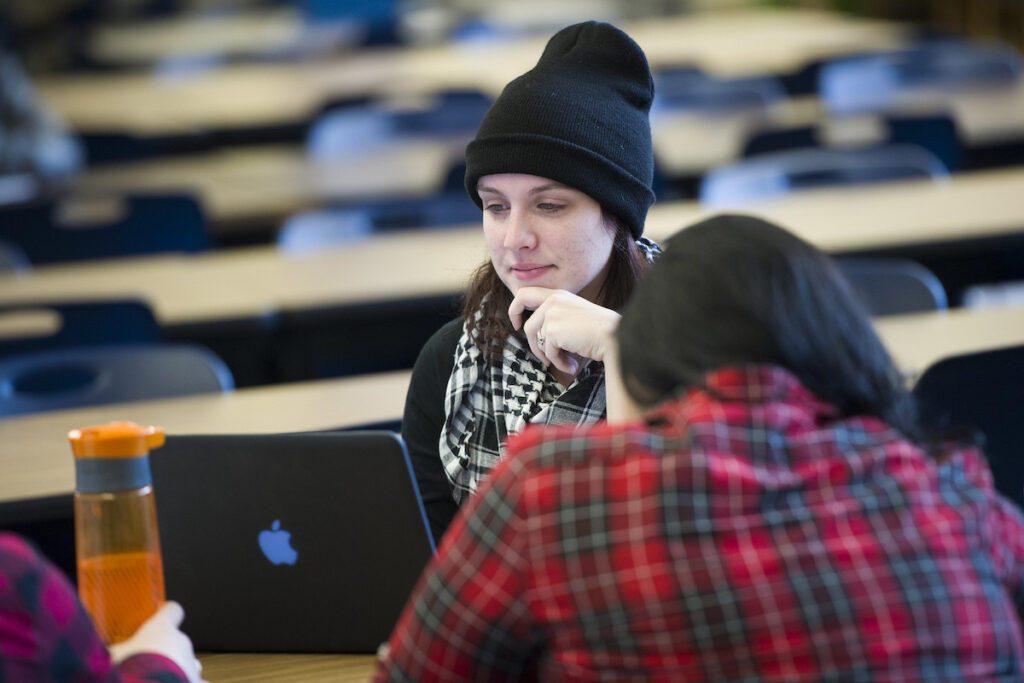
x,y
306,542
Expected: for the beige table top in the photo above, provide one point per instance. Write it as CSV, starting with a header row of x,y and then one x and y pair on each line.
x,y
742,42
917,341
287,668
254,31
248,282
252,281
692,143
36,461
968,205
269,183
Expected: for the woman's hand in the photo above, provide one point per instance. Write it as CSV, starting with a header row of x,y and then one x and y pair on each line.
x,y
160,635
564,327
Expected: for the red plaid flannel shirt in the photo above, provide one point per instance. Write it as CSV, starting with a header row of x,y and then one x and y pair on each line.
x,y
748,533
46,634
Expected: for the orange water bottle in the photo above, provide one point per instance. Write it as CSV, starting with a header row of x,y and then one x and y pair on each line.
x,y
117,544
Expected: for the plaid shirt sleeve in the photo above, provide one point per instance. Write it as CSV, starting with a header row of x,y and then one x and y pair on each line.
x,y
1007,534
46,634
1004,533
467,619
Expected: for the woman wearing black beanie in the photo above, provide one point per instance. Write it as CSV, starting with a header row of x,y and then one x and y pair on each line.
x,y
562,168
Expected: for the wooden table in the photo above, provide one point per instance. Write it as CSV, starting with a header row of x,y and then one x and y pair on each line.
x,y
918,341
876,216
692,143
238,96
286,668
246,283
243,283
254,32
242,187
36,459
245,190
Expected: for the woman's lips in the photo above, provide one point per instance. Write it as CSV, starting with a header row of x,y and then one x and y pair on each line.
x,y
527,272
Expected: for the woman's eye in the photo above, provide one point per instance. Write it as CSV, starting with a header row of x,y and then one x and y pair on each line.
x,y
496,207
549,207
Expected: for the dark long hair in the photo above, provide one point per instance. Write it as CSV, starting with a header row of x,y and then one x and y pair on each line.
x,y
735,290
488,294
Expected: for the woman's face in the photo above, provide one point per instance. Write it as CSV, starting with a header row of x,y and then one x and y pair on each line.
x,y
541,233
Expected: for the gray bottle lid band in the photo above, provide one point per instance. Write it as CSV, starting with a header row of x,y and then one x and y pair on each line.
x,y
100,475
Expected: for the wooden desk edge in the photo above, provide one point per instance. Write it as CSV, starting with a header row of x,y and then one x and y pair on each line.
x,y
307,668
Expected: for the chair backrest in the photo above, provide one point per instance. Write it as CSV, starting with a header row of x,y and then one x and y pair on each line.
x,y
350,129
69,378
80,323
774,174
892,286
375,21
985,391
147,224
937,133
316,229
874,82
13,259
335,341
692,90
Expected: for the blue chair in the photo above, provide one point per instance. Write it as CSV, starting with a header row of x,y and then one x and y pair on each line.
x,y
83,323
337,341
315,229
148,224
376,21
69,378
875,82
483,31
12,259
337,132
981,395
771,175
936,133
113,147
893,286
690,89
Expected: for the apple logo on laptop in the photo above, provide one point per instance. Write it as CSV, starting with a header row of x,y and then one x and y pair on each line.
x,y
276,544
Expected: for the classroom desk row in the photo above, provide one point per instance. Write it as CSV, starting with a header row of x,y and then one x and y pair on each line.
x,y
254,32
37,462
238,96
283,32
250,191
690,144
253,189
977,209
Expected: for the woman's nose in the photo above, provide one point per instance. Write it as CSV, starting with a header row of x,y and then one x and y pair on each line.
x,y
519,231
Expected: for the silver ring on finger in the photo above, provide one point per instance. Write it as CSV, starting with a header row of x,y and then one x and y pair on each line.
x,y
540,339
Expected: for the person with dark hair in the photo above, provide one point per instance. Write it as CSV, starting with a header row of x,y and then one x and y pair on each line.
x,y
754,509
562,168
46,634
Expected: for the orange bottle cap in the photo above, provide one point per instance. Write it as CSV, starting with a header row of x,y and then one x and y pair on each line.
x,y
115,440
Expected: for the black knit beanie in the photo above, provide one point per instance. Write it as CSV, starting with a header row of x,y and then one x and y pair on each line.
x,y
580,117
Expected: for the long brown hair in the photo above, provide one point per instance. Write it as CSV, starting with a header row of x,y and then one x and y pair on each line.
x,y
489,295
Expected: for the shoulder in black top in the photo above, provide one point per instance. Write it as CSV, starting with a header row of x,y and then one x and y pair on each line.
x,y
423,420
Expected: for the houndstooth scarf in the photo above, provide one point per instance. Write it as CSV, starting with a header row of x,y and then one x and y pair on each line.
x,y
486,403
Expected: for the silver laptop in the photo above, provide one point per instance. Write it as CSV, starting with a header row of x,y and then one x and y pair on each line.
x,y
307,542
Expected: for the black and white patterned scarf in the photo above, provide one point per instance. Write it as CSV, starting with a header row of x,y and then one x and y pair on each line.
x,y
486,403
